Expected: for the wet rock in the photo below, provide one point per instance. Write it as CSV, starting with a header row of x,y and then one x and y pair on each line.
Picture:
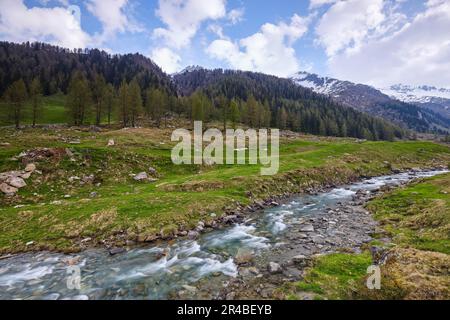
x,y
190,289
307,228
229,219
274,268
244,256
114,251
193,235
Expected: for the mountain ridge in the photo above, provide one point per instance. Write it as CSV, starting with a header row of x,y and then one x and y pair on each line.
x,y
375,102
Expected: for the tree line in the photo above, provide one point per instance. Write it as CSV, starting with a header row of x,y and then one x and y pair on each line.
x,y
132,90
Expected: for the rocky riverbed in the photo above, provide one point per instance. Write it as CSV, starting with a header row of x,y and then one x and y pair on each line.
x,y
245,257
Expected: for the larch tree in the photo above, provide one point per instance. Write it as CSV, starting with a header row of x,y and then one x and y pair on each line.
x,y
98,94
16,96
135,99
36,99
78,98
124,103
109,98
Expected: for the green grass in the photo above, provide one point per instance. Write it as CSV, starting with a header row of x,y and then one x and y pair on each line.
x,y
52,112
182,196
334,276
417,217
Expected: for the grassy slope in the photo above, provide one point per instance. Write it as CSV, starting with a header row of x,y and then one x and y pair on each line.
x,y
184,194
53,112
417,218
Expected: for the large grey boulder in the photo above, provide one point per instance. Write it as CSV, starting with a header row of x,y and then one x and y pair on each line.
x,y
16,182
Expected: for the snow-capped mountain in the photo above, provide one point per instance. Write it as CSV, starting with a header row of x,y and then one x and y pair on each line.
x,y
417,116
436,99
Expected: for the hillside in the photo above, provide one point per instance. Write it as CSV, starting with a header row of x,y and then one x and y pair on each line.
x,y
373,101
93,87
54,66
292,107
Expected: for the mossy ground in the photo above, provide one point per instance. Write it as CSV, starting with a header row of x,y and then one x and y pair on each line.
x,y
184,195
417,218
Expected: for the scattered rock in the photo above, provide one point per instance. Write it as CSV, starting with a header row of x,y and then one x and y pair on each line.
x,y
152,171
31,167
16,182
111,143
190,289
307,228
26,175
141,176
93,194
29,243
274,268
244,256
114,251
193,235
7,189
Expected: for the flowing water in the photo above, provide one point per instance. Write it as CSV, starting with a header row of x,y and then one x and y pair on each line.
x,y
159,271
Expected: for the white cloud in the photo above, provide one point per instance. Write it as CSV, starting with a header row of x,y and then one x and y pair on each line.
x,y
168,60
417,52
183,19
236,15
112,15
54,25
349,23
270,50
318,3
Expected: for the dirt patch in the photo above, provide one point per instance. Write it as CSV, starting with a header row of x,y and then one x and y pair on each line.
x,y
43,154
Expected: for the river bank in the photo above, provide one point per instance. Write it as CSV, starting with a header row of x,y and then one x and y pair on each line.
x,y
266,248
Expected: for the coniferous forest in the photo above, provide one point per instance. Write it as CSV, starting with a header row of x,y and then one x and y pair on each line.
x,y
100,88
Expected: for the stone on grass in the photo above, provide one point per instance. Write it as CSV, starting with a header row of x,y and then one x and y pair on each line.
x,y
30,167
7,189
141,176
16,182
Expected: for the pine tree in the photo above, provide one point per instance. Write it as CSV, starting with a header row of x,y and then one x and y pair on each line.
x,y
78,98
224,106
252,112
234,113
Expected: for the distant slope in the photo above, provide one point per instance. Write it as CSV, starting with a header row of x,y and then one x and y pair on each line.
x,y
435,99
302,108
370,100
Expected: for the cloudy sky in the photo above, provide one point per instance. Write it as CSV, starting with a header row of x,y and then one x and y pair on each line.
x,y
377,42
